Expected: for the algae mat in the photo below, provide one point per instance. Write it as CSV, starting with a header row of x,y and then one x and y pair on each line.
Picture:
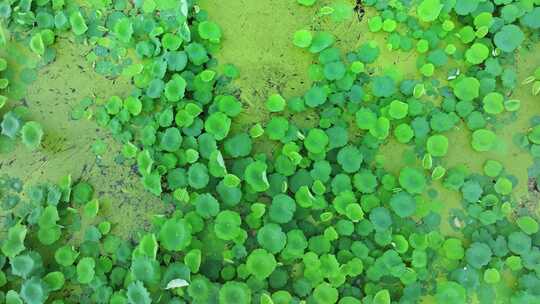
x,y
257,39
67,147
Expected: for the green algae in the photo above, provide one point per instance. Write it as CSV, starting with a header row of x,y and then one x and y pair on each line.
x,y
258,81
51,98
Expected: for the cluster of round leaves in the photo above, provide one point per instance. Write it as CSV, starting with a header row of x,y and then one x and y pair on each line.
x,y
318,213
42,215
13,127
306,220
487,45
13,123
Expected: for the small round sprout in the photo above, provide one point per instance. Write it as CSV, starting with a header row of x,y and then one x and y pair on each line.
x,y
508,38
171,140
152,183
198,176
412,180
448,25
315,96
65,256
514,263
403,133
519,243
49,234
365,119
227,225
22,265
192,155
381,218
375,23
256,131
255,176
206,205
210,31
483,140
82,193
137,293
534,135
32,135
484,19
123,29
492,168
229,105
271,238
175,234
437,145
218,124
467,88
192,259
478,255
282,209
207,75
316,141
78,25
453,249
477,53
239,145
302,38
512,105
321,41
33,291
438,173
11,124
492,276
493,103
403,204
325,293
398,109
381,129
389,25
350,159
450,292
383,86
175,88
54,280
277,128
200,288
260,263
86,270
275,103
503,186
427,69
171,42
450,49
354,212
422,46
357,67
334,70
527,224
382,297
234,292
365,181
36,44
113,105
231,180
428,10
